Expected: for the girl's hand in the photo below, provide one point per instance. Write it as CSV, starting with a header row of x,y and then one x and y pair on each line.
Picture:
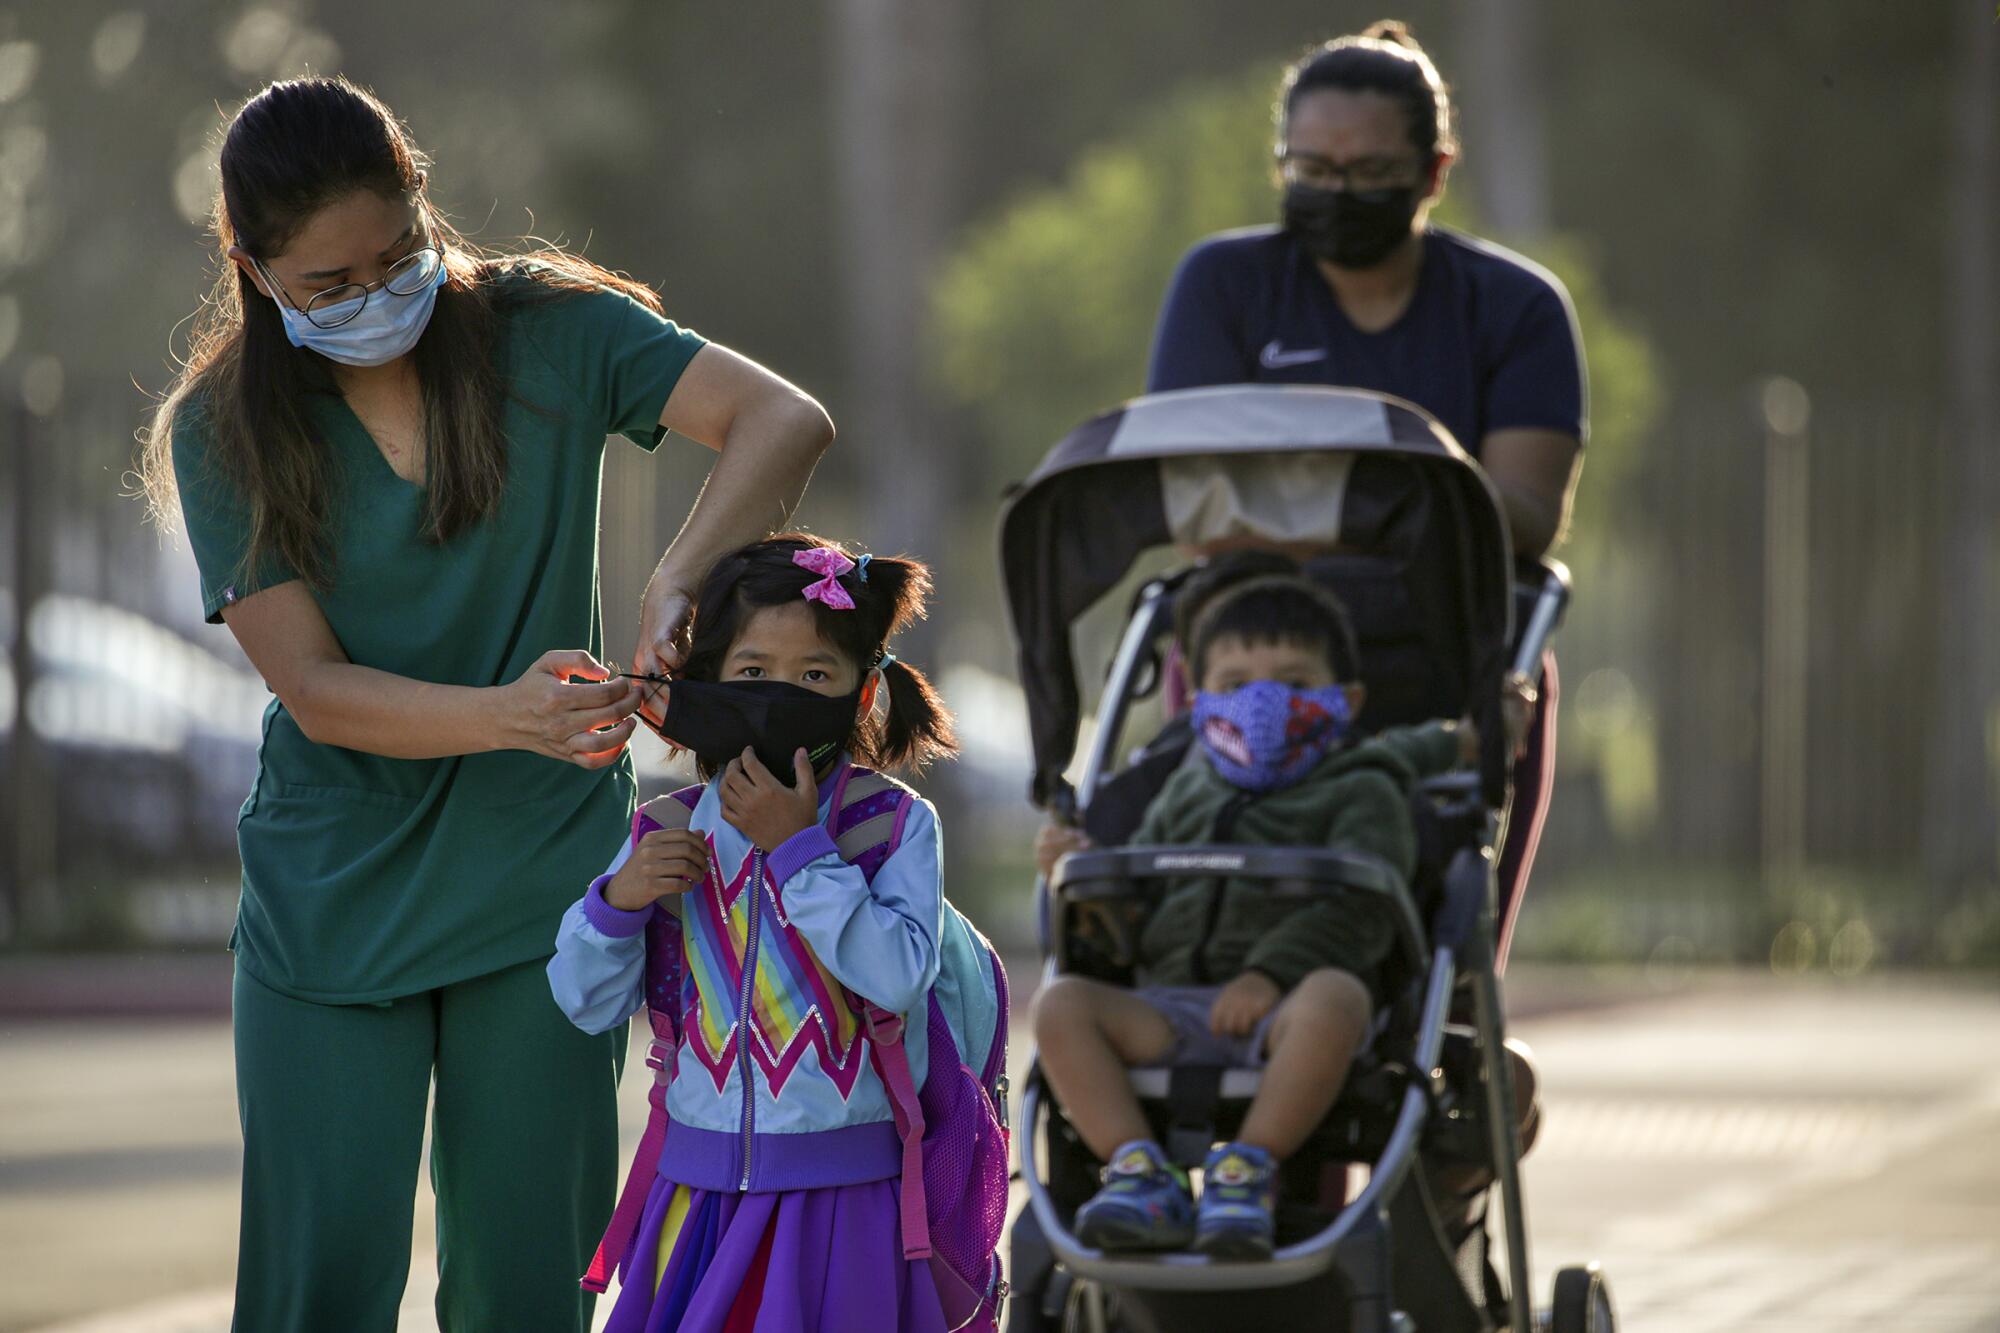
x,y
1468,742
764,809
664,614
548,712
665,861
1242,1005
1055,841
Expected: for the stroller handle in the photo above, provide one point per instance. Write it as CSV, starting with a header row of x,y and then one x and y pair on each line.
x,y
1545,613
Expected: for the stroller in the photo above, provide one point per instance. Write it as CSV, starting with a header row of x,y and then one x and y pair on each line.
x,y
1389,512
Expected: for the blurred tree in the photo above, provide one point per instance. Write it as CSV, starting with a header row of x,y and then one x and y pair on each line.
x,y
1766,184
898,69
1508,137
1962,830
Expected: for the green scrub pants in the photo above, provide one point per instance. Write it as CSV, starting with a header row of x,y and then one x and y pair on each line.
x,y
524,1155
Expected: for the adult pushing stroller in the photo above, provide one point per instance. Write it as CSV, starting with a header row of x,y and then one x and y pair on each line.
x,y
1380,503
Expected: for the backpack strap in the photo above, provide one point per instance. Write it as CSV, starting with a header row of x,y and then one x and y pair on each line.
x,y
869,812
993,1074
892,1065
671,811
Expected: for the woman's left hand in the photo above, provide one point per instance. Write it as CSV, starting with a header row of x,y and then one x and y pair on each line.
x,y
664,613
764,809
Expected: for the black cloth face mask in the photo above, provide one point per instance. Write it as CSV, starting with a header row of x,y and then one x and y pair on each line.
x,y
773,718
1351,228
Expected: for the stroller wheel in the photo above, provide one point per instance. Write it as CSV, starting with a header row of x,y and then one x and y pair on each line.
x,y
1582,1302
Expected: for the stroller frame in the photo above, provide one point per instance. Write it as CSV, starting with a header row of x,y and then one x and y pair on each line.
x,y
1356,1242
1453,951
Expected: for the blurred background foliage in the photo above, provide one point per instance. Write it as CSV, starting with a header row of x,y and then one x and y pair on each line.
x,y
953,221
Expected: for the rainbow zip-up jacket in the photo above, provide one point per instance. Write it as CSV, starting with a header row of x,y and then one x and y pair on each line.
x,y
773,1088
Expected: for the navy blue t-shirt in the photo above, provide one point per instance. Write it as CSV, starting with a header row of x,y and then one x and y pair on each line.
x,y
1489,340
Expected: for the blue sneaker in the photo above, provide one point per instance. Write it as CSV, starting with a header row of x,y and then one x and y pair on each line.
x,y
1145,1203
1238,1196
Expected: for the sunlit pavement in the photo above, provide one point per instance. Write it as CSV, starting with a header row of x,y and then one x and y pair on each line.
x,y
1739,1152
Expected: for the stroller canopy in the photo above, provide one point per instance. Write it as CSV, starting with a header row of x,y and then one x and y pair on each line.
x,y
1207,469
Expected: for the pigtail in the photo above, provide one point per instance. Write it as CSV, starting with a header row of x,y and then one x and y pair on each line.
x,y
917,727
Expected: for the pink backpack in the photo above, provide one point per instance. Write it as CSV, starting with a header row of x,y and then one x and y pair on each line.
x,y
954,1132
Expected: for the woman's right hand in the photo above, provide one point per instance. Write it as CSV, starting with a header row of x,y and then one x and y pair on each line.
x,y
665,861
549,711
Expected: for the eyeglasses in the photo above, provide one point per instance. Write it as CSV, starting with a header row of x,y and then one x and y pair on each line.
x,y
1370,173
337,305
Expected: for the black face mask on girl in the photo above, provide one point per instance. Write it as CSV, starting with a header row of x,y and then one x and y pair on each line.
x,y
1351,228
773,718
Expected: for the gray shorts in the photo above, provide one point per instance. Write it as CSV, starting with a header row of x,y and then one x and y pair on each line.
x,y
1186,1010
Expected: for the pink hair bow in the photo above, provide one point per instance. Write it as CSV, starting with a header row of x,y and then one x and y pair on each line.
x,y
824,560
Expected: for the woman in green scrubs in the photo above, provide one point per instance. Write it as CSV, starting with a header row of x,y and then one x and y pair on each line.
x,y
387,446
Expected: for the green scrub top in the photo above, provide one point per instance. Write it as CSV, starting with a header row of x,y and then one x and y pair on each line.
x,y
366,878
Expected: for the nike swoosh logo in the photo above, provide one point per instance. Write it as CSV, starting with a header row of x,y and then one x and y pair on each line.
x,y
1275,357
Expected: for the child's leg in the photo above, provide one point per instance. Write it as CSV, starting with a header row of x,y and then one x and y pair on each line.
x,y
1089,1034
1314,1035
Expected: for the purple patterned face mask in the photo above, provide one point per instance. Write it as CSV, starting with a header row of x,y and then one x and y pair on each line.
x,y
1267,735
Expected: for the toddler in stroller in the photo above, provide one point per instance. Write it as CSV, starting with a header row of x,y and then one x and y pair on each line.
x,y
1380,506
1227,973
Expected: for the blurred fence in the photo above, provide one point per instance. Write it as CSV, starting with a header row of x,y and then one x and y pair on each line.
x,y
1662,824
1682,746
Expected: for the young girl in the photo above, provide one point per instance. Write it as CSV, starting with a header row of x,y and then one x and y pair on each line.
x,y
776,1200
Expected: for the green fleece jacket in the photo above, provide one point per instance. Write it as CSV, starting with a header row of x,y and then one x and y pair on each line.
x,y
1209,931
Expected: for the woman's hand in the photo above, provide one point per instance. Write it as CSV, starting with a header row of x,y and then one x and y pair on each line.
x,y
548,712
764,809
1055,841
666,861
1518,698
1242,1005
664,615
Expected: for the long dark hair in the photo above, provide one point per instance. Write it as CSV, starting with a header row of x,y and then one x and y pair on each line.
x,y
1383,58
289,151
888,599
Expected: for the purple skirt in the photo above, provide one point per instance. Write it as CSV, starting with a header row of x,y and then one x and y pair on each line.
x,y
793,1261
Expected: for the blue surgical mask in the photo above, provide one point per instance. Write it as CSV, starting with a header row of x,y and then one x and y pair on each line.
x,y
388,325
1267,735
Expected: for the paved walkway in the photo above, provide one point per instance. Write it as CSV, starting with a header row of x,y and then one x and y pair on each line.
x,y
1740,1153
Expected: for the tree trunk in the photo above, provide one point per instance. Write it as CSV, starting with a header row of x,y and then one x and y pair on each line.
x,y
898,83
1961,825
1506,133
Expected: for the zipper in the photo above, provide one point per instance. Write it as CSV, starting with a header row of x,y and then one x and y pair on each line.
x,y
743,1060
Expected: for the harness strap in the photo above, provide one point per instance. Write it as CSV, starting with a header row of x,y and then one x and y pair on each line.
x,y
892,1065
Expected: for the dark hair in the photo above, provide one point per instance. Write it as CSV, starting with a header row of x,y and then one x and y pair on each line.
x,y
1282,608
1216,576
291,150
1384,58
887,599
